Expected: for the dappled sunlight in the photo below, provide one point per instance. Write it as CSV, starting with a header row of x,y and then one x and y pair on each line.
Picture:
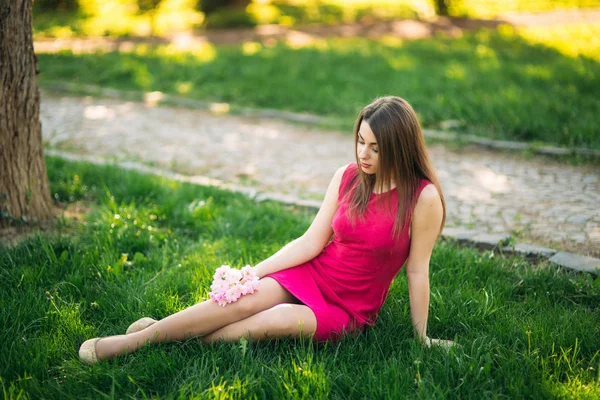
x,y
469,195
151,99
301,12
264,13
183,40
575,388
177,16
203,51
99,112
491,181
184,87
485,52
402,62
296,40
248,170
571,40
410,29
220,108
391,41
251,48
232,141
109,17
485,183
267,132
456,71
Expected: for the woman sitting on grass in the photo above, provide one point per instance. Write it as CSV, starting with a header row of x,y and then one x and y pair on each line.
x,y
383,211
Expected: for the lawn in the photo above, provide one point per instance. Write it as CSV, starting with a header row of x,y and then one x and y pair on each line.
x,y
149,246
536,84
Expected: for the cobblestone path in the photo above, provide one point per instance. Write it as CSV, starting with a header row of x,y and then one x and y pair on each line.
x,y
536,200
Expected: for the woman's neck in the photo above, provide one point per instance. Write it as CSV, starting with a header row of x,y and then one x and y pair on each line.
x,y
385,189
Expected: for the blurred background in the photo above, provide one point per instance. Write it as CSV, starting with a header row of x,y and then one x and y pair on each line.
x,y
68,18
522,70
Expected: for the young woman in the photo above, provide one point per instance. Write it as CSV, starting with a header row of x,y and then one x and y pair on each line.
x,y
382,212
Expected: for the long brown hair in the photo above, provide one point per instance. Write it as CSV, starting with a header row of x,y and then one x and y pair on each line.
x,y
403,159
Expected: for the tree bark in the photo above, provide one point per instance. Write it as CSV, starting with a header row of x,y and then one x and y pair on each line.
x,y
24,189
441,7
210,6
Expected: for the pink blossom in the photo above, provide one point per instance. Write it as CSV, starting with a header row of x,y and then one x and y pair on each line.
x,y
233,276
231,295
230,284
221,272
219,286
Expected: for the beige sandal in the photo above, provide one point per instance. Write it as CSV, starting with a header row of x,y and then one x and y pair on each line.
x,y
140,325
87,351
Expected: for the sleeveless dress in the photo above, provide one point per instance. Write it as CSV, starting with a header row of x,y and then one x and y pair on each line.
x,y
347,283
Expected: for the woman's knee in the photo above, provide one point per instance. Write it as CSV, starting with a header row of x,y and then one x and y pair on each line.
x,y
285,318
269,293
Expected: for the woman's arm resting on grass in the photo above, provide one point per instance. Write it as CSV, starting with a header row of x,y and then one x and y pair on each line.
x,y
309,245
425,228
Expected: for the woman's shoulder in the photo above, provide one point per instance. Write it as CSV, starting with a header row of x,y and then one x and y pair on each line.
x,y
428,192
347,172
427,188
429,202
350,170
351,167
429,211
342,174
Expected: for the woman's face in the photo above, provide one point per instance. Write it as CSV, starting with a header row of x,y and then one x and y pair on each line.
x,y
367,149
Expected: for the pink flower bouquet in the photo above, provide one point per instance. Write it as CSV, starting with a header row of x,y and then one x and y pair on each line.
x,y
230,284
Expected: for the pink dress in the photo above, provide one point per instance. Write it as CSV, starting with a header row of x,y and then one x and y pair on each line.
x,y
348,282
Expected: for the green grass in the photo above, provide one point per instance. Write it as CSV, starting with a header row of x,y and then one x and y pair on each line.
x,y
149,247
529,85
488,8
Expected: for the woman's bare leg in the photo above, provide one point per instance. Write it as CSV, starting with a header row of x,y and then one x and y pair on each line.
x,y
200,319
282,320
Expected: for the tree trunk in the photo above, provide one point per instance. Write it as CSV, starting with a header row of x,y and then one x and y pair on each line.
x,y
24,189
210,6
441,7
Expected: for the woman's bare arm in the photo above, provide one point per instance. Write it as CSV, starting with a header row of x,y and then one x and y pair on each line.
x,y
309,245
425,227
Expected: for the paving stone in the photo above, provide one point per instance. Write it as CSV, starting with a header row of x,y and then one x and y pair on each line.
x,y
529,250
579,219
576,262
547,178
489,241
525,220
579,237
497,229
458,233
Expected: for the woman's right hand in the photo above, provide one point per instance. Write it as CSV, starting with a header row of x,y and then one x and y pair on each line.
x,y
439,342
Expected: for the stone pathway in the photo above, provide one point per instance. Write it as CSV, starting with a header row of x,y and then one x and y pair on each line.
x,y
536,200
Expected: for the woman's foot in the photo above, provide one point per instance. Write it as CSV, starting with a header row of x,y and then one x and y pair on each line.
x,y
98,349
140,325
87,351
